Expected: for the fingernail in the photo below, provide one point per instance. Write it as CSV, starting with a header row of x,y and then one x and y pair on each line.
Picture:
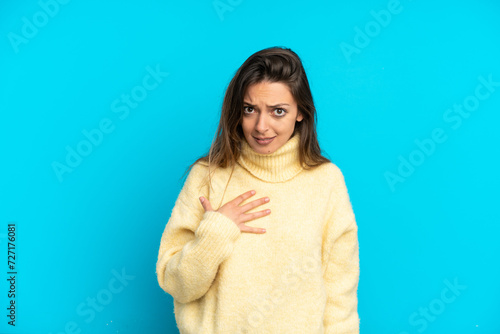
x,y
263,230
253,192
201,199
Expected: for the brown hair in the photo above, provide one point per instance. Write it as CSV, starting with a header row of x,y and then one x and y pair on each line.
x,y
274,64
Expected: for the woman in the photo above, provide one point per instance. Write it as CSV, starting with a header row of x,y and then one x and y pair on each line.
x,y
286,262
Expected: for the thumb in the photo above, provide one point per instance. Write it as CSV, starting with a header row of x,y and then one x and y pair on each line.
x,y
206,204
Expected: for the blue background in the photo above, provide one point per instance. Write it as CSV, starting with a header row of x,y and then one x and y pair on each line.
x,y
436,226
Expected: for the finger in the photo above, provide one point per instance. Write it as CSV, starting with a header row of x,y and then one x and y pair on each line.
x,y
243,197
248,229
253,204
254,215
206,204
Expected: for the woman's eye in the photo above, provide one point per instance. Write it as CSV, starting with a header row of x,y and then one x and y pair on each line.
x,y
246,109
280,112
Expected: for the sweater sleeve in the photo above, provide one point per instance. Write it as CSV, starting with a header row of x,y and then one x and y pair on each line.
x,y
341,262
194,243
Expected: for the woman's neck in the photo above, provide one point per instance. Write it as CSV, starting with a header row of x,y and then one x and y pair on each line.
x,y
279,166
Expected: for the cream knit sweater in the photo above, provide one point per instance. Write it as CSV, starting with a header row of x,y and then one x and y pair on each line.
x,y
301,276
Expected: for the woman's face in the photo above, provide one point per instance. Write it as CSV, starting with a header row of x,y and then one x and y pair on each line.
x,y
270,112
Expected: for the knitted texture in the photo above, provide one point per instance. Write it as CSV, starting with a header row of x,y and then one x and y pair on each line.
x,y
301,276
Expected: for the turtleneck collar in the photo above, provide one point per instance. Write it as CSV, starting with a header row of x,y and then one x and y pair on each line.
x,y
279,166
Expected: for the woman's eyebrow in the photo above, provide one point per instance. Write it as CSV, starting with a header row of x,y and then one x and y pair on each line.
x,y
273,106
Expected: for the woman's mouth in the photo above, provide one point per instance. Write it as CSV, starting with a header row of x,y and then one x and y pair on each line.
x,y
264,141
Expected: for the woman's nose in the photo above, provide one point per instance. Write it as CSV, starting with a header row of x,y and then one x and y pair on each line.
x,y
262,123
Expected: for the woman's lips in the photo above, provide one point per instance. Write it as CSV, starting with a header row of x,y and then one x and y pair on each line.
x,y
264,141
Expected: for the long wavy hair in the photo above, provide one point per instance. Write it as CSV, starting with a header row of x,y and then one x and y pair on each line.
x,y
274,64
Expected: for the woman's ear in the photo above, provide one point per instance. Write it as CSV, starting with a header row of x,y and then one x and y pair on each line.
x,y
299,117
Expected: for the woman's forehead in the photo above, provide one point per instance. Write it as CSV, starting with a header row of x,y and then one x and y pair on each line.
x,y
276,92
